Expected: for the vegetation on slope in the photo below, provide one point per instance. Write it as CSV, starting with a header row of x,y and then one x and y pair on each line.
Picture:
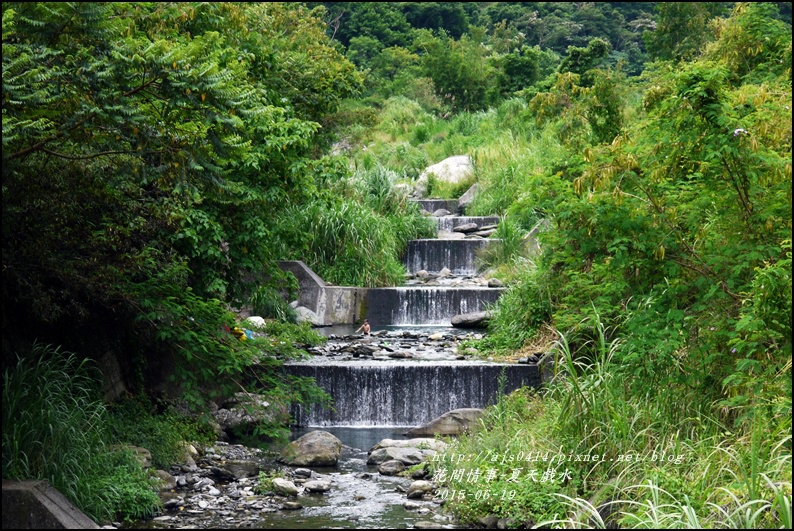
x,y
159,159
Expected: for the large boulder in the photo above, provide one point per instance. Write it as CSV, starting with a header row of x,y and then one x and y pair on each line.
x,y
422,443
467,198
407,456
316,448
450,170
453,422
285,487
471,320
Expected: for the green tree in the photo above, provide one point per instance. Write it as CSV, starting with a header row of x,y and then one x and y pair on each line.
x,y
147,150
459,70
682,29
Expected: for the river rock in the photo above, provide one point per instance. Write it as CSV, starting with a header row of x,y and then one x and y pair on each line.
x,y
317,486
391,467
466,199
407,456
419,489
316,448
450,170
284,487
452,422
422,443
291,506
168,481
471,320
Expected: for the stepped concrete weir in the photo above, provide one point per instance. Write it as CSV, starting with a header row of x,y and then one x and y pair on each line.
x,y
433,255
378,393
427,305
406,385
448,223
431,205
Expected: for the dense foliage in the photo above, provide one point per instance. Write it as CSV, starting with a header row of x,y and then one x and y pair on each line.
x,y
662,204
147,152
158,159
55,427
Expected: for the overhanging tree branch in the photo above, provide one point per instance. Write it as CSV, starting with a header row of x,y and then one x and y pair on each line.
x,y
40,145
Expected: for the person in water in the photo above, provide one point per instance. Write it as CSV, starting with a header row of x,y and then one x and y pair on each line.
x,y
365,327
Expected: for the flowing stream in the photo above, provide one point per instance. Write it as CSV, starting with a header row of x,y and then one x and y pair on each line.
x,y
409,373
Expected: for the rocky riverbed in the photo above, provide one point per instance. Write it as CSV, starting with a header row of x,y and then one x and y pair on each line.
x,y
221,488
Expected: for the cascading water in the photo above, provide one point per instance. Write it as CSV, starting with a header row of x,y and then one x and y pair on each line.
x,y
435,254
407,306
406,393
410,393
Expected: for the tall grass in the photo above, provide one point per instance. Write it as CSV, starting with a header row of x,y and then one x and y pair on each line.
x,y
352,244
665,461
55,427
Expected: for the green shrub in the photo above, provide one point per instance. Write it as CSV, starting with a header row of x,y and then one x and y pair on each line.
x,y
55,427
139,421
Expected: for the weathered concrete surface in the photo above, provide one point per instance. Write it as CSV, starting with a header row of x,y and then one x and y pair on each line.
x,y
330,304
37,505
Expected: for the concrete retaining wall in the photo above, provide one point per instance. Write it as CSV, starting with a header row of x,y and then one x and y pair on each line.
x,y
37,505
332,304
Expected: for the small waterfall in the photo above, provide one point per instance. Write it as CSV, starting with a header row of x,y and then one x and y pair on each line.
x,y
448,223
405,394
433,255
426,305
431,205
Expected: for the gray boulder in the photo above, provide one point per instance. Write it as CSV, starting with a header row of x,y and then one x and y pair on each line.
x,y
419,489
450,170
391,467
452,422
284,487
471,320
466,199
407,456
316,448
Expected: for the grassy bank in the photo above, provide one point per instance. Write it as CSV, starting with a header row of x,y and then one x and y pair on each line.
x,y
586,451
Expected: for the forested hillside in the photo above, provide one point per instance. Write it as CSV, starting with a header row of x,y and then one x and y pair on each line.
x,y
159,159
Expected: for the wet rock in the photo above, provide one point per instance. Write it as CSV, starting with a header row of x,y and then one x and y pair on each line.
x,y
391,467
284,487
419,488
471,320
291,506
316,448
452,422
317,486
